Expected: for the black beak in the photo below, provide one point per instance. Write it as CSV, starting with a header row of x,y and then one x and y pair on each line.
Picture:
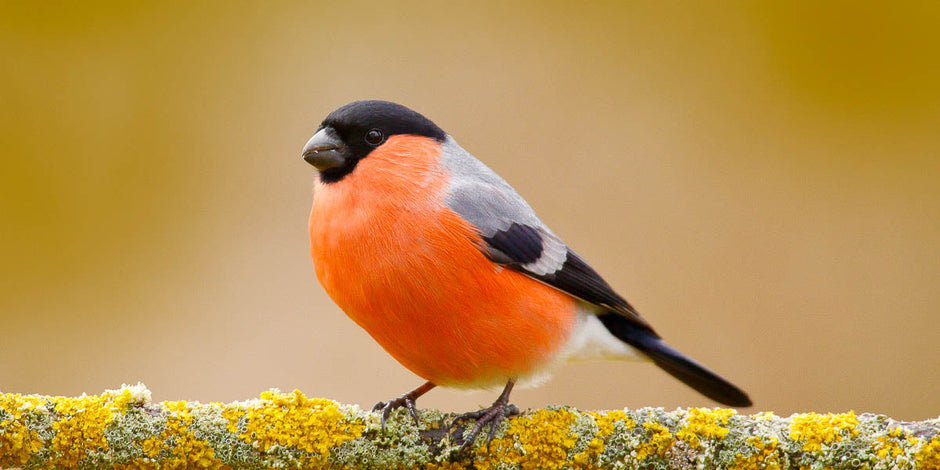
x,y
324,150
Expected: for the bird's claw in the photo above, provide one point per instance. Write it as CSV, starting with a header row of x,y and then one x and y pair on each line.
x,y
493,415
404,401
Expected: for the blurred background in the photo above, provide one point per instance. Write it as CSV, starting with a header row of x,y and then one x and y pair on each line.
x,y
761,181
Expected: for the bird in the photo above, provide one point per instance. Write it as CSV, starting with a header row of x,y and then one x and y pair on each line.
x,y
450,270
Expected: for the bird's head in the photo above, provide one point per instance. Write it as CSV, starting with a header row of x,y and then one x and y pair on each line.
x,y
350,133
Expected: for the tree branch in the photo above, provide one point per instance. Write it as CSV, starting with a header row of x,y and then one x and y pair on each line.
x,y
123,429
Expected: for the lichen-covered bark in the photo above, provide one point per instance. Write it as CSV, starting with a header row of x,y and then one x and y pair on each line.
x,y
123,429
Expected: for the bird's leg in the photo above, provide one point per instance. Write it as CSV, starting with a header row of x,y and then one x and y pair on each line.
x,y
407,401
494,415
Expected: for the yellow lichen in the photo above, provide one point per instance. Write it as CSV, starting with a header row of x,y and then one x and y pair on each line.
x,y
764,415
605,427
313,425
16,439
586,458
80,427
817,429
539,440
704,423
890,446
928,457
765,456
180,442
78,424
605,421
122,430
659,442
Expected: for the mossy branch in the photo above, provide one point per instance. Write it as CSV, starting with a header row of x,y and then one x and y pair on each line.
x,y
123,429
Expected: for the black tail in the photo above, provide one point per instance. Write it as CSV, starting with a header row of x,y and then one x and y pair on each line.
x,y
675,363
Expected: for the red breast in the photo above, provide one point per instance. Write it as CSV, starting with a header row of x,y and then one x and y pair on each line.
x,y
410,272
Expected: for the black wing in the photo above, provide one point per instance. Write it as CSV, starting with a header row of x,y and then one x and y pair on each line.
x,y
514,237
522,246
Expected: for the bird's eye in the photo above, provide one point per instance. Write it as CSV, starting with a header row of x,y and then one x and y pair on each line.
x,y
374,137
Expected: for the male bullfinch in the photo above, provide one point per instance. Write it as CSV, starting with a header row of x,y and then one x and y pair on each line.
x,y
451,271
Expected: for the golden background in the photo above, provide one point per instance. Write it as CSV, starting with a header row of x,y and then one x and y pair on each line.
x,y
762,181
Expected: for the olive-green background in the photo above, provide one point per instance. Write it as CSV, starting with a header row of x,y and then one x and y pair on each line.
x,y
762,180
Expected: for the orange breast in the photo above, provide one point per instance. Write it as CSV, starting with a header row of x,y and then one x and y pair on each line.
x,y
410,272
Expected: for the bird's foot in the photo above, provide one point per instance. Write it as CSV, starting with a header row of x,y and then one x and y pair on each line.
x,y
494,415
405,401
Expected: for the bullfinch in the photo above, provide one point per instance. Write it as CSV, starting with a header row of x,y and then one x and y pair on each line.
x,y
453,274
